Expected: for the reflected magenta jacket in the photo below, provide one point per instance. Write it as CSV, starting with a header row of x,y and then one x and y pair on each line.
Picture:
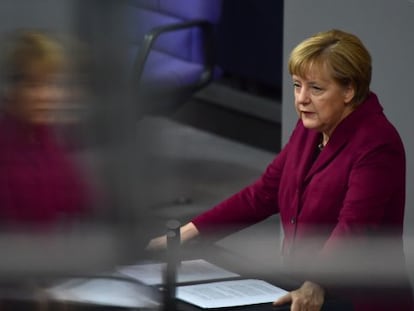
x,y
354,187
39,185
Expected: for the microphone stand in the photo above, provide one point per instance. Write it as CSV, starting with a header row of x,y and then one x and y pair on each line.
x,y
173,262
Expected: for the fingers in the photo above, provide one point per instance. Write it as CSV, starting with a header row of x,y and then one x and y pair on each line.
x,y
283,300
292,297
298,306
159,243
309,297
300,303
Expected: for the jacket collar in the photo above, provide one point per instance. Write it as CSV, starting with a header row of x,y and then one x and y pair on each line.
x,y
341,135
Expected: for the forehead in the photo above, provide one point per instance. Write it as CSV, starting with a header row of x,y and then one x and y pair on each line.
x,y
39,79
314,72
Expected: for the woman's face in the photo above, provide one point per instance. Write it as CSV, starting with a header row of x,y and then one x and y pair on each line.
x,y
321,102
36,100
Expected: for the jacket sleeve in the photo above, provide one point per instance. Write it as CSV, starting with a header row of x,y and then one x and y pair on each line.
x,y
251,205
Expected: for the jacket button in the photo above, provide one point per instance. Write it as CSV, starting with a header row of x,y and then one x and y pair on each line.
x,y
293,220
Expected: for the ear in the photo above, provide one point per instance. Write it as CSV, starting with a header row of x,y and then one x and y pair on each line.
x,y
349,93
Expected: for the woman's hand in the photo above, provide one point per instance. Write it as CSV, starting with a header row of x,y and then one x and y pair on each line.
x,y
187,232
158,243
309,297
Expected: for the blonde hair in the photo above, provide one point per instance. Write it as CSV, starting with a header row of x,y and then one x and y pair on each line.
x,y
346,58
33,54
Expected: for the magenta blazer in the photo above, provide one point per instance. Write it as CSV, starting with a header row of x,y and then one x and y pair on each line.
x,y
39,185
354,187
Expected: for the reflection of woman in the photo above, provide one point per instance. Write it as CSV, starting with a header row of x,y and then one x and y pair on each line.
x,y
340,177
38,183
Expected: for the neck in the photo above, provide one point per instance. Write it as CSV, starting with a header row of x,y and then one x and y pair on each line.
x,y
325,139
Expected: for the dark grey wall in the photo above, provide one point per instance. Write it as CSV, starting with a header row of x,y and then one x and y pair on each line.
x,y
386,27
49,14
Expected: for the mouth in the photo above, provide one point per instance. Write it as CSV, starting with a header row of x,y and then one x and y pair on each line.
x,y
307,113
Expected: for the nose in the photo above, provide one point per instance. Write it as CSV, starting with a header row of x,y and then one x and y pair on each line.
x,y
48,94
302,96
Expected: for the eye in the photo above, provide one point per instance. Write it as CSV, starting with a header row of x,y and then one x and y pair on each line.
x,y
316,89
296,85
32,85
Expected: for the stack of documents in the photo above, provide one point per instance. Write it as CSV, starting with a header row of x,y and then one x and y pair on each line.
x,y
214,287
188,271
105,292
229,293
209,292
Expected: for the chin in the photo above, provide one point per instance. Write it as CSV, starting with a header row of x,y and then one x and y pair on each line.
x,y
40,120
312,125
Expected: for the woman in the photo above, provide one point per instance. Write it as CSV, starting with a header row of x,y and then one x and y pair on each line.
x,y
339,180
39,185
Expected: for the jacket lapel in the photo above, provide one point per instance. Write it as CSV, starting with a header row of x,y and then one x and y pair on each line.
x,y
327,154
306,156
343,133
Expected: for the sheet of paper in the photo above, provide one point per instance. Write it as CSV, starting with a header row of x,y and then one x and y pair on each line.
x,y
107,292
188,271
229,293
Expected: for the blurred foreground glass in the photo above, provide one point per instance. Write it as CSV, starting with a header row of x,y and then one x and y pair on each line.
x,y
71,188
